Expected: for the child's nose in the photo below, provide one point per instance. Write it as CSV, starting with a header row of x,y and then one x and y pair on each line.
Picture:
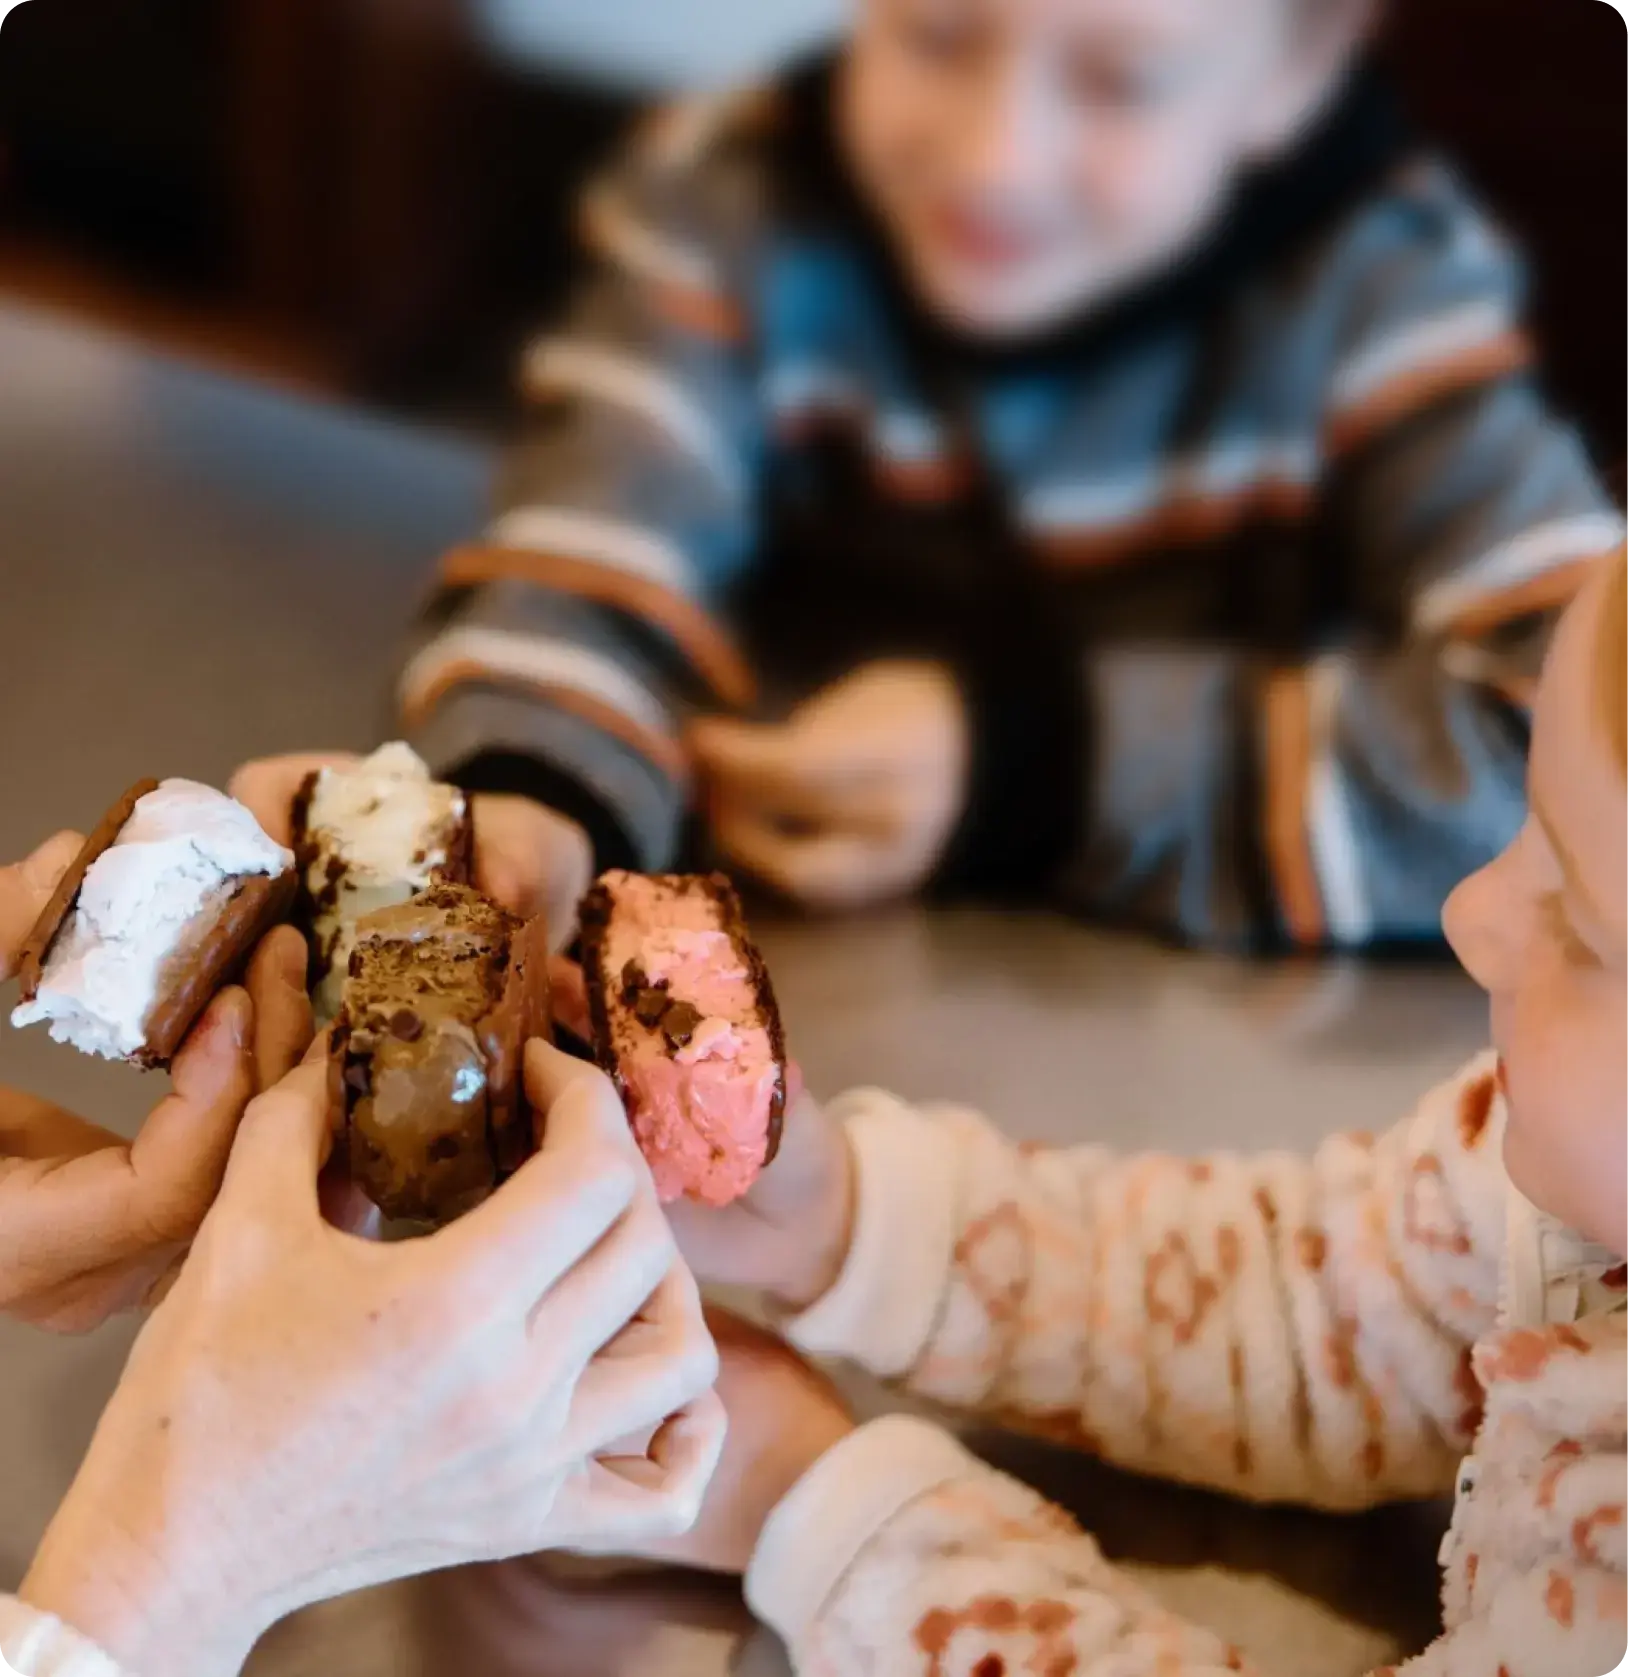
x,y
1007,148
1480,927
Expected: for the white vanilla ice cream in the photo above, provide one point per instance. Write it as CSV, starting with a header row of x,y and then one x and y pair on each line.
x,y
380,831
181,846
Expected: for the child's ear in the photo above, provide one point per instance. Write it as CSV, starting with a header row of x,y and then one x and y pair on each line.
x,y
1323,38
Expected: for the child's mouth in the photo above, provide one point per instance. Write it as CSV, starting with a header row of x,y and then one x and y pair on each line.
x,y
982,241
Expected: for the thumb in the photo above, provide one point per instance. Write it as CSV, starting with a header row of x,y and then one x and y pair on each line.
x,y
743,753
286,1136
179,1155
25,889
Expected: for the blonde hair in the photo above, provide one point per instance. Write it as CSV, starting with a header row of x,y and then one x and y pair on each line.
x,y
1611,659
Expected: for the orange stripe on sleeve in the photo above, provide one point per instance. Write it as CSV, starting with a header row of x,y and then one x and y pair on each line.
x,y
1286,733
666,753
1418,388
1186,522
708,314
677,291
708,648
929,481
1548,591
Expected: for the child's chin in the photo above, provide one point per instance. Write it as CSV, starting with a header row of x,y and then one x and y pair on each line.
x,y
997,319
1002,310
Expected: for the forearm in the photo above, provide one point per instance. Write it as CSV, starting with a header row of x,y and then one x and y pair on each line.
x,y
1162,1312
898,1551
564,648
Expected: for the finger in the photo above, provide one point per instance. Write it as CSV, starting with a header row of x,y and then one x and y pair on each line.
x,y
83,1302
531,859
285,1137
611,1285
623,1500
758,765
577,1103
269,786
800,773
824,870
106,1202
663,1359
283,1025
25,889
562,1202
164,1284
568,998
34,1129
178,1158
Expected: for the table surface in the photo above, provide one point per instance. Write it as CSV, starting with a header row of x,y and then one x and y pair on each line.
x,y
193,571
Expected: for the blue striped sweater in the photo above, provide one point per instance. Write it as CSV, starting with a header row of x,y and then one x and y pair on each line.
x,y
1246,579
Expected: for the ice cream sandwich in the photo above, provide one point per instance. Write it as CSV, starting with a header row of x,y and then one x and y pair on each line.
x,y
685,1022
369,837
161,908
440,996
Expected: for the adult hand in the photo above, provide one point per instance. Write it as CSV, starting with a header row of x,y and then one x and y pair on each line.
x,y
529,858
309,1413
788,1235
92,1224
854,799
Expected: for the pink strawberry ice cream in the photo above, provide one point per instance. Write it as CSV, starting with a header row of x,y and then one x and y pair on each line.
x,y
685,1021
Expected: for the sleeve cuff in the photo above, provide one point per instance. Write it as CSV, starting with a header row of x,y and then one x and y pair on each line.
x,y
881,1310
819,1527
35,1644
490,741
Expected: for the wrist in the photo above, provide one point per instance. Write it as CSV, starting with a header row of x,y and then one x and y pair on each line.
x,y
152,1606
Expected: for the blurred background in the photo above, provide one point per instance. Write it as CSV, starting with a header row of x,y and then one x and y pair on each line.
x,y
373,197
371,201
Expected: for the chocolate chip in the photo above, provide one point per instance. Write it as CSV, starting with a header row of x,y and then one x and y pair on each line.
x,y
679,1021
406,1025
444,1147
633,981
649,1006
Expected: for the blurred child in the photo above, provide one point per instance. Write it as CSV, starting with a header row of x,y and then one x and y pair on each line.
x,y
1104,419
1337,1331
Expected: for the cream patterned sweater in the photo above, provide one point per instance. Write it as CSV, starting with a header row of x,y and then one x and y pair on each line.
x,y
1382,1321
1334,1332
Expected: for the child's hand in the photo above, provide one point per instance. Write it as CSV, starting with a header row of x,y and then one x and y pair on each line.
x,y
91,1224
527,857
854,799
788,1235
783,1416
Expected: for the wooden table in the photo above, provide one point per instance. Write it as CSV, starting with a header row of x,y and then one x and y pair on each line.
x,y
193,571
